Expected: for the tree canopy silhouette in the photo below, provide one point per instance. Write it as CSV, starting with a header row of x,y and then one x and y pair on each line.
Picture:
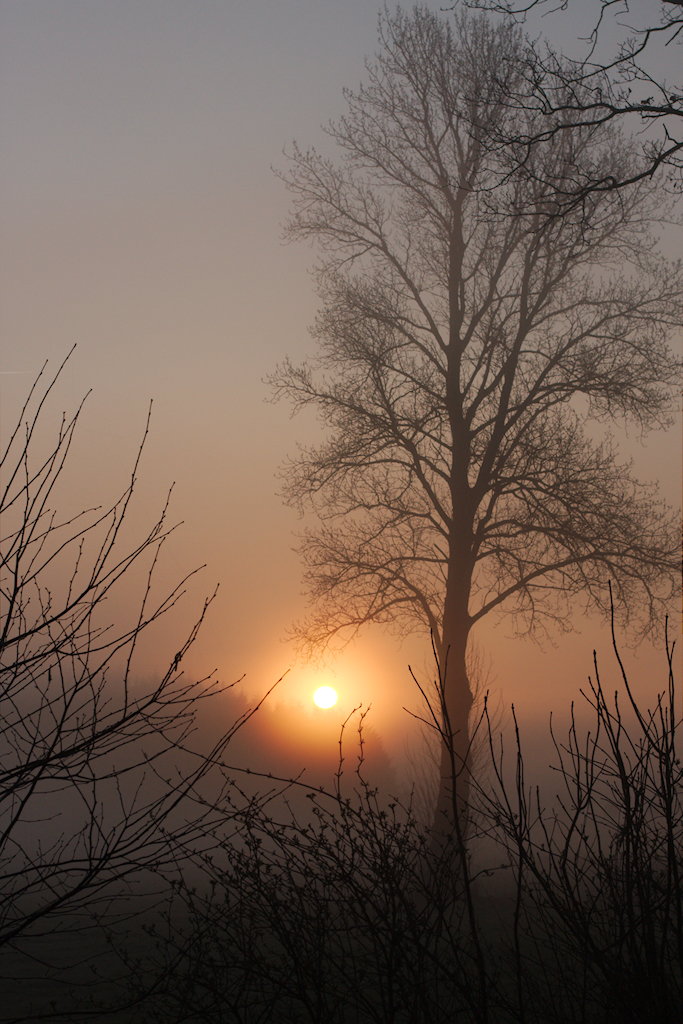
x,y
475,334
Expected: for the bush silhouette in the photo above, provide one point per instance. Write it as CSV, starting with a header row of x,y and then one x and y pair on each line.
x,y
356,915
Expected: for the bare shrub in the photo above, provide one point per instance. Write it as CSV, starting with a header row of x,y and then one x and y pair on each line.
x,y
598,922
359,915
100,788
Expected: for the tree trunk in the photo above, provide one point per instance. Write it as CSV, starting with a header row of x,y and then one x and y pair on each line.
x,y
456,696
452,801
451,811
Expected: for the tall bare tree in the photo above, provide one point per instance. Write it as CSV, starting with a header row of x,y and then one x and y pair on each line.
x,y
474,332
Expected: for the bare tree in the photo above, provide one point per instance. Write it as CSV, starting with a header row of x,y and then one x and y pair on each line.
x,y
99,784
466,334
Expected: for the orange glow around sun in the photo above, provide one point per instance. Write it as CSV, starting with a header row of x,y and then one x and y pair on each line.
x,y
325,697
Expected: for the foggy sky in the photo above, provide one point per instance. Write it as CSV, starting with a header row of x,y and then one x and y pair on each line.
x,y
141,220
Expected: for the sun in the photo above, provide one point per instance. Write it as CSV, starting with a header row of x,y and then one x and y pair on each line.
x,y
325,697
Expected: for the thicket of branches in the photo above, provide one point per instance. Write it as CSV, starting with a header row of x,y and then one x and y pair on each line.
x,y
619,83
100,788
359,917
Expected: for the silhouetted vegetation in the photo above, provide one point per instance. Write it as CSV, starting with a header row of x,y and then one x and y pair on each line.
x,y
567,910
281,900
101,790
489,282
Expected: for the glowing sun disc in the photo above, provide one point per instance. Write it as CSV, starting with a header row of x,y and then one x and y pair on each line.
x,y
325,697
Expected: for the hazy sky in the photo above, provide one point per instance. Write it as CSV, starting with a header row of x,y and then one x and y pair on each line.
x,y
141,220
